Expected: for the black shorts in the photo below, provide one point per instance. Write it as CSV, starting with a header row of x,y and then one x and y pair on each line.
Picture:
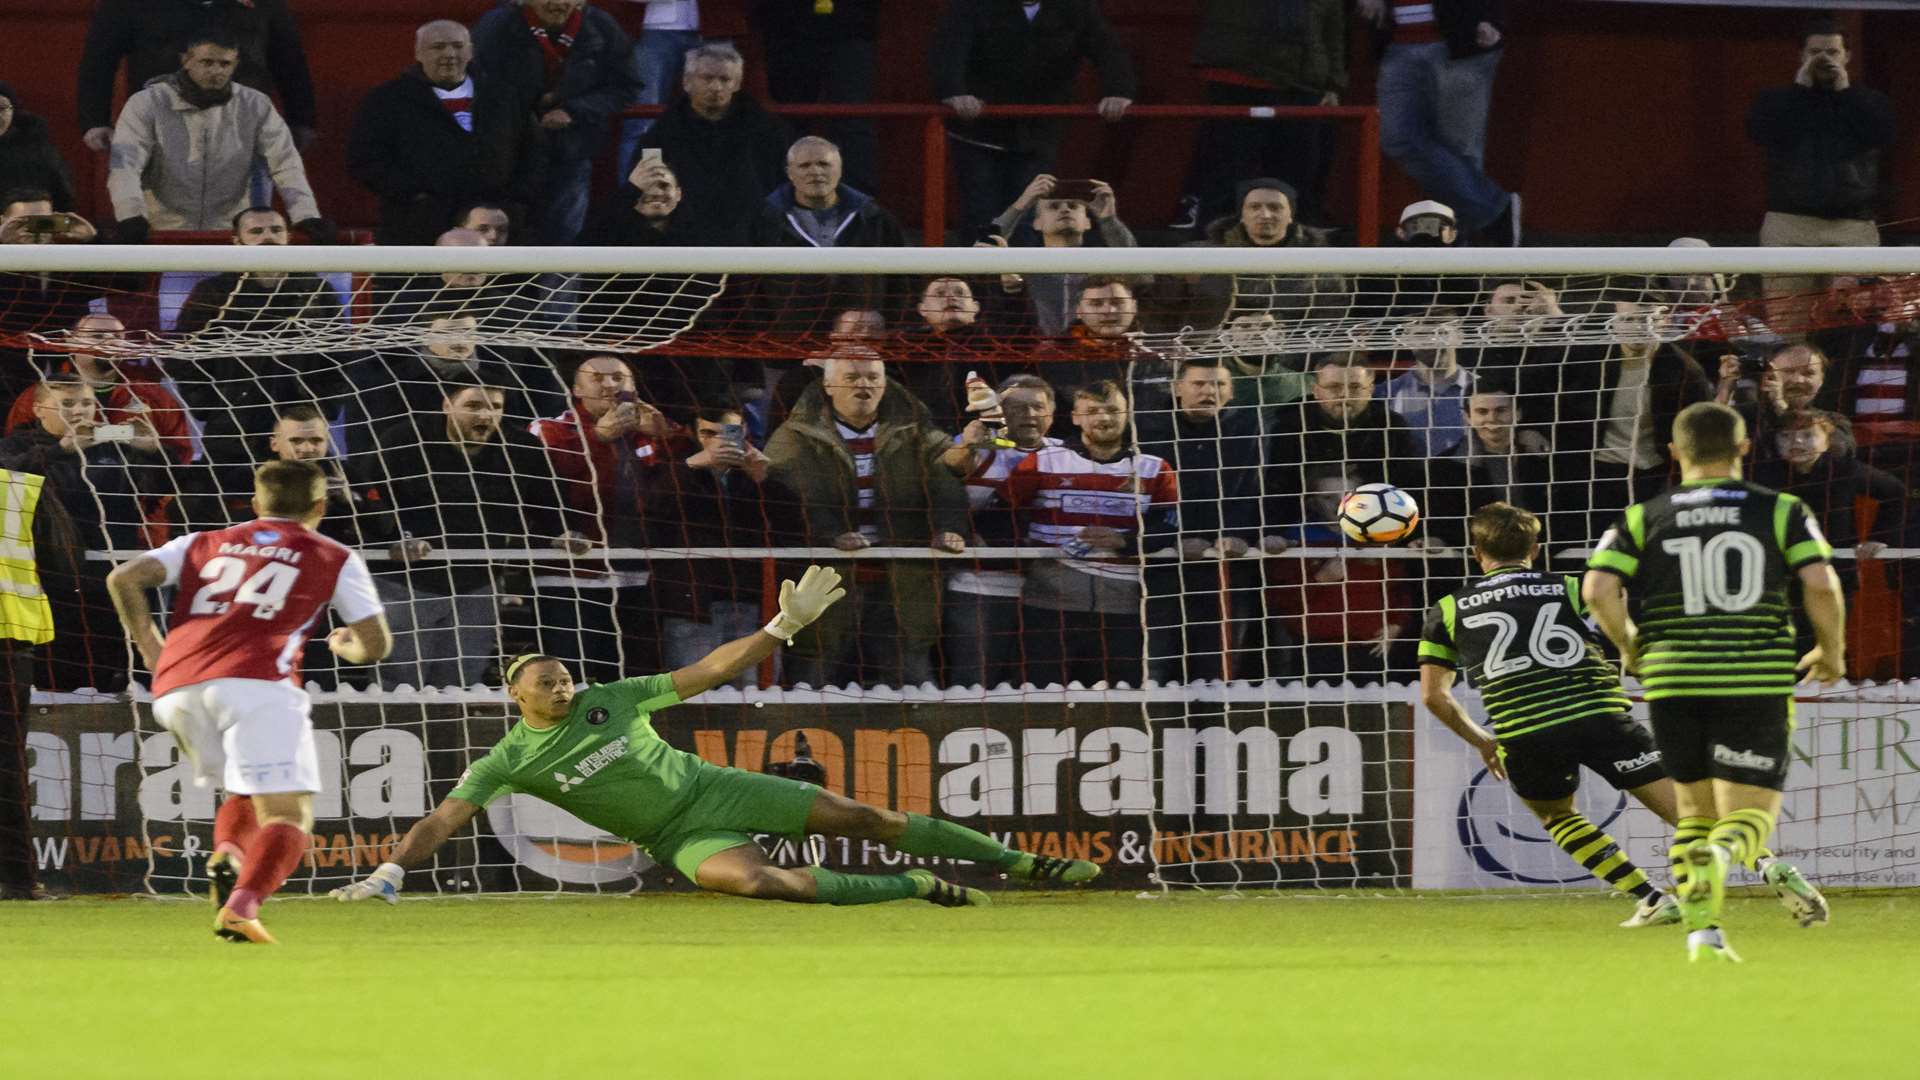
x,y
1545,765
1741,739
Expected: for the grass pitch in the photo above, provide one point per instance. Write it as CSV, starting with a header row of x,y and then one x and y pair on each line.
x,y
1097,985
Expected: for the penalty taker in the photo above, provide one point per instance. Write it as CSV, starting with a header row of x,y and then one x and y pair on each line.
x,y
596,755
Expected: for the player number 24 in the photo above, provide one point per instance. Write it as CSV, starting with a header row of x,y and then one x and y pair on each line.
x,y
1552,644
266,590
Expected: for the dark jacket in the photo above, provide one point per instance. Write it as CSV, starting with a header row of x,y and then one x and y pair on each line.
x,y
1459,20
28,159
1219,463
989,49
867,223
1579,383
704,508
95,487
1204,301
250,304
617,224
503,496
1376,445
407,149
147,34
596,80
1298,45
802,20
1830,489
1457,487
1823,149
726,166
808,302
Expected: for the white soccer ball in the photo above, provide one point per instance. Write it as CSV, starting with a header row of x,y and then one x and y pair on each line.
x,y
1378,514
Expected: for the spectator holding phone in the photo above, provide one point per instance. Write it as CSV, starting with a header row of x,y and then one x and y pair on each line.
x,y
993,52
28,158
85,462
645,211
609,440
28,217
1064,213
725,150
720,496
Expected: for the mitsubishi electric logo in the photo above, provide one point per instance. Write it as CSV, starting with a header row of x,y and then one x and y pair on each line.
x,y
592,763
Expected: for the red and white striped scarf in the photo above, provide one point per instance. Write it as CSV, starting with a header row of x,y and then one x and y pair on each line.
x,y
555,45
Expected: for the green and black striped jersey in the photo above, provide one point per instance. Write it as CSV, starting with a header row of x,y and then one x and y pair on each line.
x,y
1707,567
1521,637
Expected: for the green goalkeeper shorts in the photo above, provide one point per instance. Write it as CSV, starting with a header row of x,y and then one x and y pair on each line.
x,y
727,808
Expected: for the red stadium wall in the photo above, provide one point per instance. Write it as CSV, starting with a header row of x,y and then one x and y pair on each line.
x,y
1613,119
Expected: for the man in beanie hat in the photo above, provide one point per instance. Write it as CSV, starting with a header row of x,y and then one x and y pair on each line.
x,y
1264,216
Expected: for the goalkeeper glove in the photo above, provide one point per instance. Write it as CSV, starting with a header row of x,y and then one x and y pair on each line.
x,y
383,883
801,604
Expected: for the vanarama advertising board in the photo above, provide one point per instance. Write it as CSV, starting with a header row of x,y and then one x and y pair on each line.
x,y
1248,792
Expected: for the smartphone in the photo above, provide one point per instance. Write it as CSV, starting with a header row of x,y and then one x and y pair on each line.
x,y
113,433
45,224
1081,190
734,435
649,159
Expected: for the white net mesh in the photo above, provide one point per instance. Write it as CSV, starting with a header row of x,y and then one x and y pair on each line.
x,y
1154,646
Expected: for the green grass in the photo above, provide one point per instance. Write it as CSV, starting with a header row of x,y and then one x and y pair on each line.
x,y
1100,985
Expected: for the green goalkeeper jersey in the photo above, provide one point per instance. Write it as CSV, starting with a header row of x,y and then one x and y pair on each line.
x,y
604,764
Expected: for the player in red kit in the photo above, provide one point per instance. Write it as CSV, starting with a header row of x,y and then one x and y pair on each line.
x,y
226,680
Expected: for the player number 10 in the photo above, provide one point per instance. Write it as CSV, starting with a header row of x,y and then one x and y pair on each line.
x,y
1707,576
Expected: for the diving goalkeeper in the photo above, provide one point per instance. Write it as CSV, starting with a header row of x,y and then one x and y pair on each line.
x,y
595,754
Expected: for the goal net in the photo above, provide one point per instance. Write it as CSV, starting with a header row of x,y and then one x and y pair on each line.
x,y
1086,504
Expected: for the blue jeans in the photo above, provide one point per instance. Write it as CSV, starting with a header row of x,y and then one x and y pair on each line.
x,y
1433,124
563,206
658,57
684,641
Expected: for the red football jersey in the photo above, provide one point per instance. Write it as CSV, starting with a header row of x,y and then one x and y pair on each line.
x,y
248,598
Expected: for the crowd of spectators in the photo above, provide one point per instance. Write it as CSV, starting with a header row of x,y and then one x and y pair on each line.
x,y
1164,490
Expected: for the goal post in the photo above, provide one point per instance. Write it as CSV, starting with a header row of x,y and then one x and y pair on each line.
x,y
1119,621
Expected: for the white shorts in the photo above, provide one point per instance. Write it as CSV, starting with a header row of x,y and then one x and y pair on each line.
x,y
250,736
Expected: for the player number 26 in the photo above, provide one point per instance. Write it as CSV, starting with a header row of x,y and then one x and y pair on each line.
x,y
266,590
1552,644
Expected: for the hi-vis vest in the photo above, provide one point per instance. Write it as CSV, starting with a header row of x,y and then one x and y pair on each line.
x,y
25,614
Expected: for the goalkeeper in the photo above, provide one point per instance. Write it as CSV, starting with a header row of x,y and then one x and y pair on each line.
x,y
595,754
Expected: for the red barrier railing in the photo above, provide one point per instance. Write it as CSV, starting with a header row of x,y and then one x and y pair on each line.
x,y
933,210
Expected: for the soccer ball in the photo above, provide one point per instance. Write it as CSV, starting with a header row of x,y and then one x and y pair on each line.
x,y
1378,514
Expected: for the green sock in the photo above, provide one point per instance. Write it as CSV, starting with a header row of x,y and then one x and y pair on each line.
x,y
1689,829
932,836
1687,832
1599,853
844,889
1743,833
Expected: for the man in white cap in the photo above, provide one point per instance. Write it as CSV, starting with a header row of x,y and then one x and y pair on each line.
x,y
1427,223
